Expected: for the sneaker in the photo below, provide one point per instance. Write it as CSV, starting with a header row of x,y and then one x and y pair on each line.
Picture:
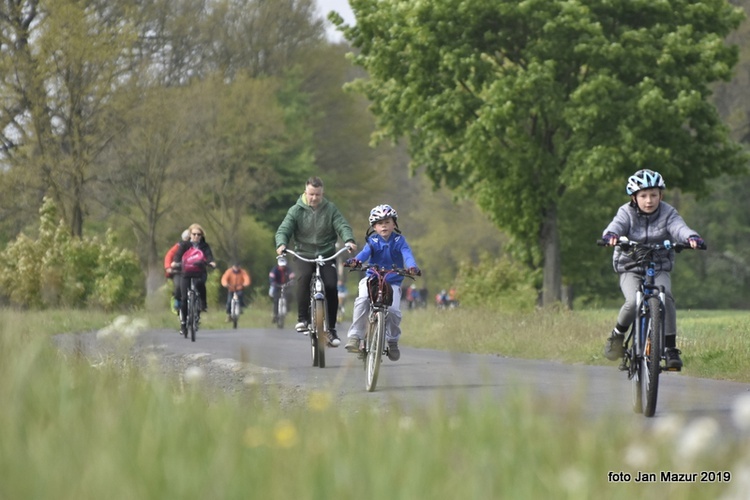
x,y
333,338
352,345
301,327
229,318
393,353
183,329
613,348
673,359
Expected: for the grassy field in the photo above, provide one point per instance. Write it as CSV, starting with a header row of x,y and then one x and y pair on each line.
x,y
70,430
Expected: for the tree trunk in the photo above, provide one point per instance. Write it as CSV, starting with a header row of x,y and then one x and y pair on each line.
x,y
552,271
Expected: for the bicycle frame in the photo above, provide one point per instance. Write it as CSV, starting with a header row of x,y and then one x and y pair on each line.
x,y
318,328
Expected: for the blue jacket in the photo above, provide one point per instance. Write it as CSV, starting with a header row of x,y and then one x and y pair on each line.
x,y
380,252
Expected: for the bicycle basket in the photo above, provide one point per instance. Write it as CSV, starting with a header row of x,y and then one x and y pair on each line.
x,y
372,290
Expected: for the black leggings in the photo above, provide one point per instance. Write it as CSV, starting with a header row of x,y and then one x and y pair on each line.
x,y
330,280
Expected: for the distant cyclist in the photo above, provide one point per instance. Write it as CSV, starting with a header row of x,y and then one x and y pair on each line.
x,y
235,280
174,274
279,276
646,218
192,258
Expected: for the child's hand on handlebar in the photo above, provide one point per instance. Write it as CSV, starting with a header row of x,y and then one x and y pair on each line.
x,y
352,262
611,239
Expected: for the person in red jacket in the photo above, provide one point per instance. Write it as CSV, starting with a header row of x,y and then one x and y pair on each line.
x,y
174,274
235,279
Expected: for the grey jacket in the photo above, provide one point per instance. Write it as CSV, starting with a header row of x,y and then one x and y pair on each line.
x,y
315,232
664,224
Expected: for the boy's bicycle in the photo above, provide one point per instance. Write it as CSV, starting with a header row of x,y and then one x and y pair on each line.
x,y
283,306
318,328
645,352
380,294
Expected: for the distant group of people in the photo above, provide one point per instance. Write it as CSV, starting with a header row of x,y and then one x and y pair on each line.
x,y
314,225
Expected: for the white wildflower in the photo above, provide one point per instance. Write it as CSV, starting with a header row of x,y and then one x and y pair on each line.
x,y
194,374
698,435
741,412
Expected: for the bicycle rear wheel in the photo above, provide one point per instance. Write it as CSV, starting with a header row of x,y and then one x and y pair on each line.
x,y
374,346
652,357
317,333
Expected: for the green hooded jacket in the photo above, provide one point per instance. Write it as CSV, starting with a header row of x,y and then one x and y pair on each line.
x,y
315,232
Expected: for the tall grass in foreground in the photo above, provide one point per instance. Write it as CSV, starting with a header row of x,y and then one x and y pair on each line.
x,y
71,431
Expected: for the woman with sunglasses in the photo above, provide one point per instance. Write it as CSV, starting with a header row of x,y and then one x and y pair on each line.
x,y
192,257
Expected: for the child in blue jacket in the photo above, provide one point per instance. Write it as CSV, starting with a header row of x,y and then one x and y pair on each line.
x,y
385,247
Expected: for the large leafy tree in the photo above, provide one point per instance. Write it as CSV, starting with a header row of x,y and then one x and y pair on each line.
x,y
521,105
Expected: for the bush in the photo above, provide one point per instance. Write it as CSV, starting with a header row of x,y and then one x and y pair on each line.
x,y
496,283
59,270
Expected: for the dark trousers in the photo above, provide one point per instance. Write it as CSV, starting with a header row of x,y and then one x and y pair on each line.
x,y
330,279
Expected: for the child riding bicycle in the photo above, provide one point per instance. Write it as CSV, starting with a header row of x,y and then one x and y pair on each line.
x,y
384,249
646,218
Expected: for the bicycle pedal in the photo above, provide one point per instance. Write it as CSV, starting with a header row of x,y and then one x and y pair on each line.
x,y
672,369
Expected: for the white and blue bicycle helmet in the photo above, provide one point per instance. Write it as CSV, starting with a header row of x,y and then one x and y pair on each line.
x,y
644,179
382,212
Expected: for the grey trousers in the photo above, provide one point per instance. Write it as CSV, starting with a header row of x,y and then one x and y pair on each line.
x,y
629,283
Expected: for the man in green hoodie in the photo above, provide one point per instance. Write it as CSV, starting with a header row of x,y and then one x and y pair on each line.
x,y
315,224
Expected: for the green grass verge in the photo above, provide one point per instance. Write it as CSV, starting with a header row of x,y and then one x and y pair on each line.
x,y
72,431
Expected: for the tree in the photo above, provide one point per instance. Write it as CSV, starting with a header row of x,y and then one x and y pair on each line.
x,y
61,61
520,104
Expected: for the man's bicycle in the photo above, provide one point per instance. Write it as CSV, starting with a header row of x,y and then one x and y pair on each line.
x,y
645,351
235,309
318,328
380,295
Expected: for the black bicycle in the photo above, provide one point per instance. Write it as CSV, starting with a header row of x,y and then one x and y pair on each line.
x,y
645,351
318,328
380,295
194,306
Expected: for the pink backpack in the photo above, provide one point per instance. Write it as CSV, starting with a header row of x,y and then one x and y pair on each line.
x,y
193,260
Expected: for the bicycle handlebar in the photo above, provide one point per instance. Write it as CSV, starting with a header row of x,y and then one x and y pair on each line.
x,y
384,270
626,245
319,259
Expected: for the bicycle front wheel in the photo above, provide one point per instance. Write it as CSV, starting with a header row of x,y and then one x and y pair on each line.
x,y
235,312
317,333
196,317
374,346
652,357
190,314
281,312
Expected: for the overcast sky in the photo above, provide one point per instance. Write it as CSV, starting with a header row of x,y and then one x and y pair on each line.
x,y
340,6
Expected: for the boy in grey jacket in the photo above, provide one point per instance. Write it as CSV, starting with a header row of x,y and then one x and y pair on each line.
x,y
646,218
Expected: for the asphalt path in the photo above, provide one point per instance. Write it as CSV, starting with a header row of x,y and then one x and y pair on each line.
x,y
425,377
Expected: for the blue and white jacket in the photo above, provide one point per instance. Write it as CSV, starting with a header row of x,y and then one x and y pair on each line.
x,y
386,253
